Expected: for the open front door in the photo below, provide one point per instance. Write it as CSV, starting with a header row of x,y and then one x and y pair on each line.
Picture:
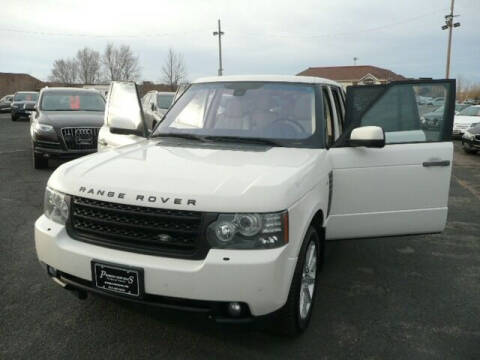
x,y
124,121
403,187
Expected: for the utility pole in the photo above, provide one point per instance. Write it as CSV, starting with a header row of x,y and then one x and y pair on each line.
x,y
219,33
355,61
449,24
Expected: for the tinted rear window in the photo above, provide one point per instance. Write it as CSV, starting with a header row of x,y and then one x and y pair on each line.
x,y
72,101
26,97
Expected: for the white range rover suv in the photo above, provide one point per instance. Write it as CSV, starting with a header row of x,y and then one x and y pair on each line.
x,y
226,206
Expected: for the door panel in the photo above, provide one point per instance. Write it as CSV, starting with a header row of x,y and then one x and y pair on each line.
x,y
393,190
387,191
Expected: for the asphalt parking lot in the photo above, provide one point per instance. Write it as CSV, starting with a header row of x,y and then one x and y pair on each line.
x,y
415,297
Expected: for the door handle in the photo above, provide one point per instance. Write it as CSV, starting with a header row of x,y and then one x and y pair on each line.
x,y
436,163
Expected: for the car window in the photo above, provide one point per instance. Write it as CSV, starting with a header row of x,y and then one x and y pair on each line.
x,y
397,112
339,109
164,100
72,101
328,116
25,97
245,109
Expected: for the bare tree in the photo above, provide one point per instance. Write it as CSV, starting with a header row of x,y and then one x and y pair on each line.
x,y
64,71
120,63
88,65
174,70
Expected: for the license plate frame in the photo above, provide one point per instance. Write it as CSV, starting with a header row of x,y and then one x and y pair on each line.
x,y
121,280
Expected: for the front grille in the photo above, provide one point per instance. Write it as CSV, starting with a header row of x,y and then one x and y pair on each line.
x,y
81,138
48,144
173,233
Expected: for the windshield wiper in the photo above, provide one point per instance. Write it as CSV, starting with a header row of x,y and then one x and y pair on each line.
x,y
244,140
181,136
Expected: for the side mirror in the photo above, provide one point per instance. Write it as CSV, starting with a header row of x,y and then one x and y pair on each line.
x,y
368,136
123,113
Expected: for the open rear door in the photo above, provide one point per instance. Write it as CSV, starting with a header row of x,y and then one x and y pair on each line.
x,y
403,187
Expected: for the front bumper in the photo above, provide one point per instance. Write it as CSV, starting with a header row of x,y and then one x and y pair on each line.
x,y
258,278
53,150
474,143
20,113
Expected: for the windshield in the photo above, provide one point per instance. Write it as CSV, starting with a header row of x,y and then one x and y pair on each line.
x,y
261,110
23,96
164,100
72,101
470,111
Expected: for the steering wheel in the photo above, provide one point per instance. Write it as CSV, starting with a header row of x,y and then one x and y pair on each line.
x,y
284,126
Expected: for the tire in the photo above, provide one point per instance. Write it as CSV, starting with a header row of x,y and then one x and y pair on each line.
x,y
293,318
468,150
14,118
39,162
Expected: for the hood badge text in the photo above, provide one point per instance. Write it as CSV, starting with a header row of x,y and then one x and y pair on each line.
x,y
138,197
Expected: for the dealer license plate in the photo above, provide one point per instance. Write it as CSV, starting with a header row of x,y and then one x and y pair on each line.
x,y
118,279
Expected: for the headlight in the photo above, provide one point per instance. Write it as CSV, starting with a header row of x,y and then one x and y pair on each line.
x,y
56,206
467,135
249,231
43,128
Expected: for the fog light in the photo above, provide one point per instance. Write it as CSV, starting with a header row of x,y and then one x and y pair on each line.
x,y
51,271
234,309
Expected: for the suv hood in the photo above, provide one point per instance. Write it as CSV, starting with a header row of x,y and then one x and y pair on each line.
x,y
72,118
258,179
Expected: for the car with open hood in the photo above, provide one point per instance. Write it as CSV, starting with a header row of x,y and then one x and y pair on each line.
x,y
226,207
65,124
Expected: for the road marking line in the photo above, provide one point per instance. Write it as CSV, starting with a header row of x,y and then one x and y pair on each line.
x,y
468,187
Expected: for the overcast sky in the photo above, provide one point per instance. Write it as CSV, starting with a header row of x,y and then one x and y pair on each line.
x,y
273,37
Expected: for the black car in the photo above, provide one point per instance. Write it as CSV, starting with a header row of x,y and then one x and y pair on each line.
x,y
65,124
471,139
23,99
5,103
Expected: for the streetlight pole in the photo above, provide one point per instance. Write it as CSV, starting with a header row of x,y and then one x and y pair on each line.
x,y
219,33
449,24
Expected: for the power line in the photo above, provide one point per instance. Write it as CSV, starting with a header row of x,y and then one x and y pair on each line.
x,y
284,34
144,35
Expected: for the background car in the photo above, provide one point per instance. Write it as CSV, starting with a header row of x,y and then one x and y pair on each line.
x,y
65,124
5,103
433,118
439,101
155,104
20,99
465,119
471,139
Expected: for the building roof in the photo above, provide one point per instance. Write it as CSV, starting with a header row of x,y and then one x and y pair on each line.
x,y
267,78
354,73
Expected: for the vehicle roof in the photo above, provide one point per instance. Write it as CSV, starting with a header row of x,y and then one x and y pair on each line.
x,y
267,78
65,89
26,92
